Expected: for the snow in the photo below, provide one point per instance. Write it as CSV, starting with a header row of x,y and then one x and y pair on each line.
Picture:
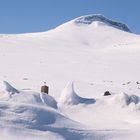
x,y
35,117
69,97
9,93
100,19
97,57
6,90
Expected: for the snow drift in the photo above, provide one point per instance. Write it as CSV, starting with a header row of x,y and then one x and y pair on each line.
x,y
69,97
35,115
122,100
38,112
9,93
35,121
6,90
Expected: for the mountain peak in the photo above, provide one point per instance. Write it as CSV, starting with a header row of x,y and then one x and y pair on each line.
x,y
89,19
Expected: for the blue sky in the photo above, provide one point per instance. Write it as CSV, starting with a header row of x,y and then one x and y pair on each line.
x,y
20,16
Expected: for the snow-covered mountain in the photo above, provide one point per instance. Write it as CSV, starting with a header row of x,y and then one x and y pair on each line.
x,y
94,52
101,20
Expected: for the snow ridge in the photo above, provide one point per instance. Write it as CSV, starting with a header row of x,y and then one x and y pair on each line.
x,y
69,97
6,90
89,19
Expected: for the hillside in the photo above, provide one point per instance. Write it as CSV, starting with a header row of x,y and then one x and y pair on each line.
x,y
94,52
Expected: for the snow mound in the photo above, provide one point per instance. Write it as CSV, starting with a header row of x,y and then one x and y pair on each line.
x,y
69,97
29,115
122,99
33,117
34,98
6,90
9,93
48,100
100,19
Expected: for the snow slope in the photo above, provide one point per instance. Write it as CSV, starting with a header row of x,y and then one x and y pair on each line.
x,y
96,53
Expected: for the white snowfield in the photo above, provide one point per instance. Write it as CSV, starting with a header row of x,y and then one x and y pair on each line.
x,y
98,55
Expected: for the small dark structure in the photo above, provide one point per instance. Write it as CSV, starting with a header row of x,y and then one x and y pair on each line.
x,y
107,93
45,88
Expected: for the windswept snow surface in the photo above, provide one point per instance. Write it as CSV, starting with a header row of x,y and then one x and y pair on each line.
x,y
69,96
28,116
97,57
